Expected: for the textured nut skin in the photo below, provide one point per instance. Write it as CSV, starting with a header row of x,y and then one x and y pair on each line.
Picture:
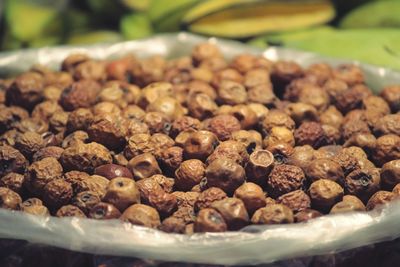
x,y
94,183
106,131
348,162
392,96
28,143
26,90
350,74
9,199
50,151
167,184
200,145
366,141
138,144
252,196
389,124
273,214
379,198
85,157
184,123
186,198
204,51
75,138
390,174
139,214
81,94
230,149
302,156
233,211
79,119
143,166
104,211
310,133
111,171
86,200
348,204
284,179
306,215
396,190
324,194
42,172
209,220
276,118
250,139
325,169
70,211
13,181
259,166
283,72
207,197
122,192
57,193
331,116
34,206
223,126
279,135
189,173
231,93
170,159
363,183
296,200
225,174
387,149
201,105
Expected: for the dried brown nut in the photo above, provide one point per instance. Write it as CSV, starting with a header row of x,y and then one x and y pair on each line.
x,y
314,96
186,198
42,172
143,166
331,116
396,190
9,116
111,171
231,93
245,115
348,162
207,197
324,194
189,173
279,135
50,151
85,157
173,225
387,149
225,174
352,127
70,211
29,143
392,96
13,181
170,159
106,109
107,131
161,142
119,69
351,74
52,93
204,51
230,149
26,90
81,94
348,204
259,166
71,61
233,211
200,145
252,196
295,88
301,112
333,135
167,184
75,138
379,198
306,215
9,199
227,74
8,137
74,177
281,152
122,192
325,169
34,206
284,179
58,122
104,211
319,71
390,174
296,200
273,214
256,76
363,183
209,220
95,183
201,75
86,200
139,214
366,141
90,70
223,125
201,105
376,103
276,118
139,144
45,110
133,112
302,156
152,92
283,72
57,193
250,139
350,99
262,94
184,123
157,122
310,133
389,124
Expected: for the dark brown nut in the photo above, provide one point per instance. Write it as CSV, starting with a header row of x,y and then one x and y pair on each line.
x,y
306,215
95,183
252,196
26,90
225,174
111,171
231,93
390,174
284,179
189,173
294,88
34,206
333,135
70,211
51,139
173,225
301,112
143,166
335,87
350,99
325,169
71,61
245,115
85,157
207,197
200,145
167,184
324,194
29,143
157,122
104,211
366,141
50,151
310,133
57,193
387,149
186,198
259,166
230,149
331,116
106,131
379,198
170,159
184,123
279,135
233,211
209,220
363,183
314,96
58,122
319,71
9,116
273,214
348,162
348,204
283,72
351,74
13,181
223,125
276,118
8,137
119,69
250,139
204,51
139,144
302,156
389,124
281,152
352,127
122,192
262,94
9,199
79,119
81,94
139,214
86,200
391,94
201,105
296,200
74,139
45,110
42,172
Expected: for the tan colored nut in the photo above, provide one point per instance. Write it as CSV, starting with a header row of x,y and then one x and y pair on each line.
x,y
186,198
189,173
201,106
325,193
389,124
250,139
273,214
296,200
392,96
86,200
379,198
387,149
13,181
223,125
301,112
199,145
46,152
331,116
204,51
348,204
306,215
168,106
276,118
351,74
143,166
207,197
363,183
233,211
259,166
57,193
94,183
70,211
230,149
122,192
209,220
390,174
284,179
279,135
325,169
302,156
34,206
75,138
167,184
42,172
104,211
9,199
139,214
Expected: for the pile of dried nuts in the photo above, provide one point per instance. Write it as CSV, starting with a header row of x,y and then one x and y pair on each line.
x,y
197,144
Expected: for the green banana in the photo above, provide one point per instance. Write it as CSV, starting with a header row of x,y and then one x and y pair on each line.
x,y
135,26
137,5
92,37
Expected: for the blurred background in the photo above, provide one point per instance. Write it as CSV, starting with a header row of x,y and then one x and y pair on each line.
x,y
365,30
